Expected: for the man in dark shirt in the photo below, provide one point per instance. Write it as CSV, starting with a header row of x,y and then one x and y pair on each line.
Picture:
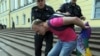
x,y
72,9
42,12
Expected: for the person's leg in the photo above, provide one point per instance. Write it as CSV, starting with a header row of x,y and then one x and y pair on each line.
x,y
73,20
38,44
67,48
55,51
49,42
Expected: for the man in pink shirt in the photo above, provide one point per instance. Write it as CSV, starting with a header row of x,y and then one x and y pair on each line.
x,y
60,27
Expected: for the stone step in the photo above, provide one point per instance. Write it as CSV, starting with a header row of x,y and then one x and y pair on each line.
x,y
95,37
10,49
14,30
94,41
25,43
30,31
91,40
23,35
20,42
24,38
20,35
3,53
22,48
93,32
43,47
31,34
95,47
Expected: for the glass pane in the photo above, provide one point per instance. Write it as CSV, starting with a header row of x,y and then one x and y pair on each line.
x,y
97,9
97,15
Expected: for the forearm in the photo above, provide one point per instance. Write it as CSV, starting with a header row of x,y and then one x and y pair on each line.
x,y
73,20
77,21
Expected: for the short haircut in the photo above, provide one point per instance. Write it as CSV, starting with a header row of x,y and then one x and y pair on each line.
x,y
36,22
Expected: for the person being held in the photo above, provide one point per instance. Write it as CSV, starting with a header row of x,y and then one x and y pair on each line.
x,y
42,12
60,26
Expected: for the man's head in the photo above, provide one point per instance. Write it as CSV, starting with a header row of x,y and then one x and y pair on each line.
x,y
41,3
38,27
73,1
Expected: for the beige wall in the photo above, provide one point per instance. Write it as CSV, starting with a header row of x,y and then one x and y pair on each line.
x,y
86,6
87,10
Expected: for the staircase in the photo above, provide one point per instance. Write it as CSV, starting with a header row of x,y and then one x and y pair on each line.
x,y
20,42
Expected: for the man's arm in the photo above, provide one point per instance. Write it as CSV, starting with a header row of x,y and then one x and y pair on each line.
x,y
73,20
33,13
81,15
52,10
62,8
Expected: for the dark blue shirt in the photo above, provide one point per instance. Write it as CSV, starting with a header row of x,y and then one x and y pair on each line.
x,y
42,14
73,10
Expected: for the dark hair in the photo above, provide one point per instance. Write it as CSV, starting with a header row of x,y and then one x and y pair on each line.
x,y
39,0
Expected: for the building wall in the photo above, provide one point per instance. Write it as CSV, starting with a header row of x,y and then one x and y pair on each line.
x,y
17,8
88,7
20,12
4,12
12,10
55,3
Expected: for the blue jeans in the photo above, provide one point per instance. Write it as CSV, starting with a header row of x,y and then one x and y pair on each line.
x,y
62,48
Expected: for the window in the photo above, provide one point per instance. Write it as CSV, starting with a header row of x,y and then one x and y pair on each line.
x,y
5,21
2,21
33,1
97,9
28,20
5,5
0,8
25,2
16,4
66,1
29,1
24,19
12,5
22,2
11,20
17,20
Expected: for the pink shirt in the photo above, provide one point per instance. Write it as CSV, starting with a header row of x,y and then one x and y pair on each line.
x,y
65,35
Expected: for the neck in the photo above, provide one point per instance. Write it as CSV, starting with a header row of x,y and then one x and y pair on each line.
x,y
43,7
73,3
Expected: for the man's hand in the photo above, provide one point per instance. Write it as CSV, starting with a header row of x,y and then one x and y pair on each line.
x,y
82,17
67,13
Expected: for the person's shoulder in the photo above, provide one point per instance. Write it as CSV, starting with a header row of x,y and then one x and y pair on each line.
x,y
49,7
56,22
65,4
77,5
35,7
